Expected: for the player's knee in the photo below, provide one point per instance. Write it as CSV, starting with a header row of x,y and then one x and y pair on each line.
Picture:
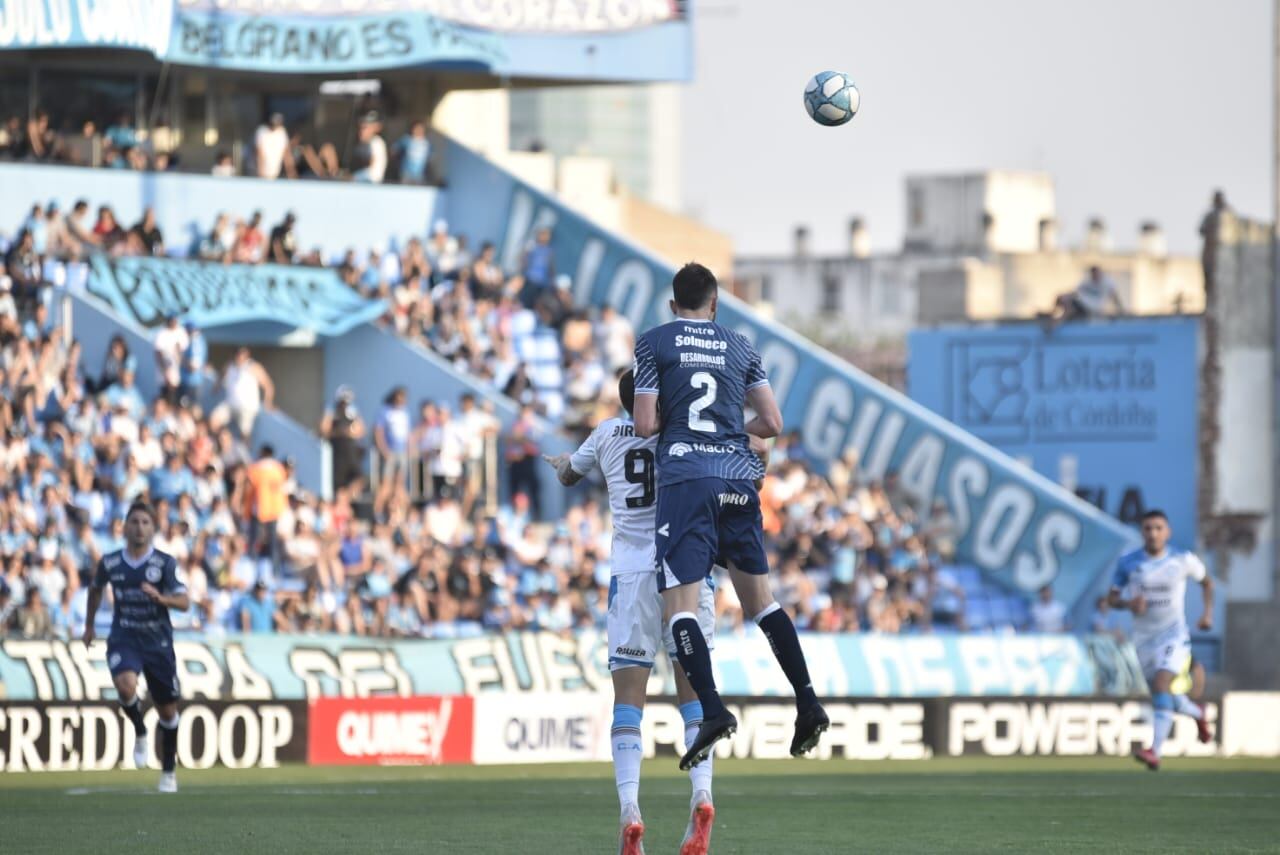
x,y
760,614
1161,682
168,715
126,686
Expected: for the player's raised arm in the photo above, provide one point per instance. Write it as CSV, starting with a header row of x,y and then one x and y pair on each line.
x,y
1201,574
646,391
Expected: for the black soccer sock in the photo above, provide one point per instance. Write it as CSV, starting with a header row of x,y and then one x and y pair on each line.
x,y
169,744
695,661
133,711
781,632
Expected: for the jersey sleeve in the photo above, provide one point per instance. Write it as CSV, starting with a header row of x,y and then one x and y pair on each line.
x,y
755,369
100,575
169,583
1194,567
585,458
646,368
1121,577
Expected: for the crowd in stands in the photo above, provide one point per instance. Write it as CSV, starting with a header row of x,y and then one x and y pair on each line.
x,y
80,441
274,152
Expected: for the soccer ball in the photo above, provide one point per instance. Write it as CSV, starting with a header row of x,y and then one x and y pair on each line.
x,y
831,98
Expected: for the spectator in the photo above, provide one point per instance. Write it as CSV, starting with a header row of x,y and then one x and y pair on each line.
x,y
78,227
218,243
36,225
343,428
522,454
108,232
256,611
271,148
283,244
265,500
170,346
33,620
616,339
147,234
442,251
223,166
538,269
391,438
26,273
248,389
1089,299
121,134
85,148
250,245
115,364
61,245
195,358
413,150
1106,621
478,427
371,151
1047,614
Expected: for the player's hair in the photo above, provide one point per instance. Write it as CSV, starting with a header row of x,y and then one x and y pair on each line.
x,y
141,507
1155,514
627,391
693,286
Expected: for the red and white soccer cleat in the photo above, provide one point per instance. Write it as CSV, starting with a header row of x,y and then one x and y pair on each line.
x,y
631,832
1203,731
697,837
1148,758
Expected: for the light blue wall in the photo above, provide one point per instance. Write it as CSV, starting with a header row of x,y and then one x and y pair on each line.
x,y
333,216
372,362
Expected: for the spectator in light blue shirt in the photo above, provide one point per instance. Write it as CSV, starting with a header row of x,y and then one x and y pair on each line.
x,y
172,481
194,361
257,610
413,150
539,269
125,394
122,135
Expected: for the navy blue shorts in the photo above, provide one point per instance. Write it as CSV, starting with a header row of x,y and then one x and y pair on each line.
x,y
704,521
157,664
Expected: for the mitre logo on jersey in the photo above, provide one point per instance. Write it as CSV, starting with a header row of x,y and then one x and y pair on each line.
x,y
680,449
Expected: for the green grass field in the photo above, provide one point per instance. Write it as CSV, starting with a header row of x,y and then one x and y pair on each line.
x,y
1085,805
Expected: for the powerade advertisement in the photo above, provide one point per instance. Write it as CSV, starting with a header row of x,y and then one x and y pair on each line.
x,y
1017,527
1107,408
568,39
267,667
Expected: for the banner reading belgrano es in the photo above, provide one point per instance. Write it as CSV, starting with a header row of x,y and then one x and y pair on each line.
x,y
274,667
148,290
1012,523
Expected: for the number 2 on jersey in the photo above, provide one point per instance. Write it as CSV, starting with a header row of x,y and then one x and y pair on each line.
x,y
642,474
702,380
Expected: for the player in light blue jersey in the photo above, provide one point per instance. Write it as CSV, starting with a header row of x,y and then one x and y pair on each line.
x,y
1152,583
693,379
144,586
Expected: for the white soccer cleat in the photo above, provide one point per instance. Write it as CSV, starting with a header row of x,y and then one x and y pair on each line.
x,y
140,751
168,782
702,815
631,831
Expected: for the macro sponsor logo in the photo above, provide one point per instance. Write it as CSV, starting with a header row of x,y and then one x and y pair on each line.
x,y
680,449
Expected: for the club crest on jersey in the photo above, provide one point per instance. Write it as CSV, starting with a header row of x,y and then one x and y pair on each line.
x,y
113,660
680,449
153,573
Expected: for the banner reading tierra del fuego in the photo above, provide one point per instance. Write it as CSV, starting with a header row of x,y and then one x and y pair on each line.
x,y
1014,525
275,667
148,290
571,39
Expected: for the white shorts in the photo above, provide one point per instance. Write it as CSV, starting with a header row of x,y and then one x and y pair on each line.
x,y
1170,651
635,624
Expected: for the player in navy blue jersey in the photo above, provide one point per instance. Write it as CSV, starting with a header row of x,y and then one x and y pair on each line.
x,y
144,585
693,379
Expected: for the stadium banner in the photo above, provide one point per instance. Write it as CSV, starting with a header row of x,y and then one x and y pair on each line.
x,y
279,667
1058,727
92,736
148,290
1016,526
565,39
543,728
1090,405
390,731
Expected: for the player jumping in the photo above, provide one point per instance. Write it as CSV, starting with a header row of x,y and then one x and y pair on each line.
x,y
700,375
145,586
635,625
1152,583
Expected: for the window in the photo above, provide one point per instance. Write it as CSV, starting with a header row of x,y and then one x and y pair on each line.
x,y
915,206
831,293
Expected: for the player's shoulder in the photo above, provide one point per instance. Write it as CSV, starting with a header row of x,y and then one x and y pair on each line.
x,y
111,560
161,559
1185,556
1131,561
618,429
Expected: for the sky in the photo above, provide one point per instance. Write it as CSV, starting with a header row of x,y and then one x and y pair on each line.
x,y
1139,109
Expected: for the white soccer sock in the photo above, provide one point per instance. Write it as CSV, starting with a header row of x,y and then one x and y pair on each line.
x,y
1186,706
1162,720
700,775
627,753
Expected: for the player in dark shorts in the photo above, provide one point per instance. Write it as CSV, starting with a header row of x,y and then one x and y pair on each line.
x,y
700,376
145,586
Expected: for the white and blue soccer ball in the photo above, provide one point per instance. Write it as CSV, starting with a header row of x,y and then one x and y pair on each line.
x,y
831,98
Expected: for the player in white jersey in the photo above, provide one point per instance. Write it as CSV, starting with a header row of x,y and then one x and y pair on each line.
x,y
1152,583
636,629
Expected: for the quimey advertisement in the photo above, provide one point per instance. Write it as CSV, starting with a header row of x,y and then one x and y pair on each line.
x,y
278,667
544,728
